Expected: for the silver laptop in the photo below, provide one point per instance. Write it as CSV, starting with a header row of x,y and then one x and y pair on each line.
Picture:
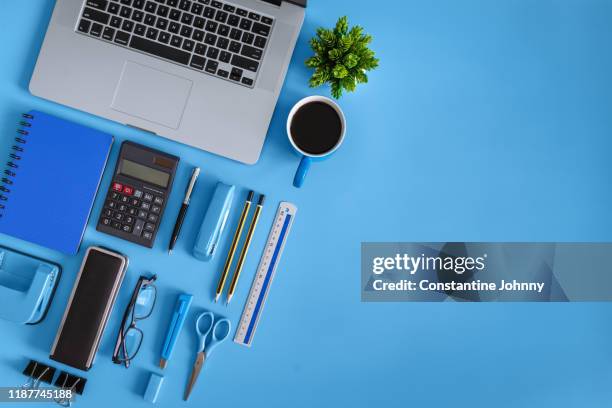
x,y
202,72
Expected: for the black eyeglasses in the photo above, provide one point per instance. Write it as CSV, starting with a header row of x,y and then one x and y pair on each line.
x,y
140,307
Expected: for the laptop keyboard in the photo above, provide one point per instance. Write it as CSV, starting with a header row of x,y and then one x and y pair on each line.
x,y
215,37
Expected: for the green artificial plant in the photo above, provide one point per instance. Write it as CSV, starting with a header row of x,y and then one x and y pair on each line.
x,y
342,57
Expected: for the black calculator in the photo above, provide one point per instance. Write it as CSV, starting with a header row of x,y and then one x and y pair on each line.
x,y
138,194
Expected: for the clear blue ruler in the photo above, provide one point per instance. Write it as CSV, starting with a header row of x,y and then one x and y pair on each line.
x,y
265,273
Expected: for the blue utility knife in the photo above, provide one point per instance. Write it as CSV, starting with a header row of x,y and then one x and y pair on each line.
x,y
176,324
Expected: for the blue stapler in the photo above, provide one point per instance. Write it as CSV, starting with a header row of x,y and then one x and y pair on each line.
x,y
27,285
214,222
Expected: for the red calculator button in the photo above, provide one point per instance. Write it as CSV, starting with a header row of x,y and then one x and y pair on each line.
x,y
117,187
128,190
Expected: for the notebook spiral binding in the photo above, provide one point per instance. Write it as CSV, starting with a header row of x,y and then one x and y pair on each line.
x,y
14,157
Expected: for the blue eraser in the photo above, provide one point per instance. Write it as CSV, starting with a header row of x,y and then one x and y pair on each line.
x,y
214,222
153,388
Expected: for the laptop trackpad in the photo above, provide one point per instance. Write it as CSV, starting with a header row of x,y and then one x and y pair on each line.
x,y
150,94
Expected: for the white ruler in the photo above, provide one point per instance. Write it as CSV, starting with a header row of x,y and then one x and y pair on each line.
x,y
265,273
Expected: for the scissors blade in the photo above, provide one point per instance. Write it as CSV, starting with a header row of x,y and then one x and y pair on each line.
x,y
195,372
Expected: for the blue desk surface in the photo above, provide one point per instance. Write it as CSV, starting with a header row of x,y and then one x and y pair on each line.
x,y
486,121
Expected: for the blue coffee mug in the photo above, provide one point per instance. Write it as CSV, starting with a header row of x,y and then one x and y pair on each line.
x,y
308,158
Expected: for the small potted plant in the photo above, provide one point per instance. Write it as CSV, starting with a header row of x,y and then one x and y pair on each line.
x,y
342,57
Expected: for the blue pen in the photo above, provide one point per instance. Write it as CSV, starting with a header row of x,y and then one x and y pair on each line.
x,y
178,319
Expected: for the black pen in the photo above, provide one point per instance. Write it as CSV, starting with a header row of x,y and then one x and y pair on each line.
x,y
184,207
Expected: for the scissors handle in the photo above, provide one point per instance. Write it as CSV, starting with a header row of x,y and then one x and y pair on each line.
x,y
221,331
204,325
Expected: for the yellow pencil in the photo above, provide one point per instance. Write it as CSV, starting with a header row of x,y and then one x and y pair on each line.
x,y
245,248
232,250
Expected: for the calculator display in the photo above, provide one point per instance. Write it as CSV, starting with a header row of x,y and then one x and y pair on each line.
x,y
144,173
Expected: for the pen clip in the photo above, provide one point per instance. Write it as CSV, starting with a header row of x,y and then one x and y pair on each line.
x,y
194,177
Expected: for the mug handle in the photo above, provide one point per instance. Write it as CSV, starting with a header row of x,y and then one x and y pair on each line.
x,y
301,172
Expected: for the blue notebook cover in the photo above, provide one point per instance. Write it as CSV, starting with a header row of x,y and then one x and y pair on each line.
x,y
50,181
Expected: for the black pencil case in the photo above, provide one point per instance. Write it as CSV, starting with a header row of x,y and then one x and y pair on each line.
x,y
89,307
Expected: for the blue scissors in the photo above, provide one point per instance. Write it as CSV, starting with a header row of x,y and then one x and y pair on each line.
x,y
205,324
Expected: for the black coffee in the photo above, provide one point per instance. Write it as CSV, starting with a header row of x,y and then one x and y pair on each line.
x,y
316,128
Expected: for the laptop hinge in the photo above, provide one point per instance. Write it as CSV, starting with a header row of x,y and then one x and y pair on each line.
x,y
301,3
139,128
275,2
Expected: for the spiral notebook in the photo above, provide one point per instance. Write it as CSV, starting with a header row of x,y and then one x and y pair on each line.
x,y
50,181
